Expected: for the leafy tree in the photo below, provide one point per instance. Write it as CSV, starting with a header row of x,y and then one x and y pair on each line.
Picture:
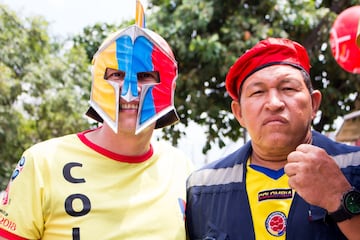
x,y
208,36
44,87
91,37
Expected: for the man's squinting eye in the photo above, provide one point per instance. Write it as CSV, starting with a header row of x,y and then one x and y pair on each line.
x,y
113,74
148,77
257,92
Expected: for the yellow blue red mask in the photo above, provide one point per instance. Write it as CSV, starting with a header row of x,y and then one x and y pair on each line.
x,y
134,50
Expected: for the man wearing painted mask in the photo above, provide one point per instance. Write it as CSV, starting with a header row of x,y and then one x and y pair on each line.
x,y
112,182
288,181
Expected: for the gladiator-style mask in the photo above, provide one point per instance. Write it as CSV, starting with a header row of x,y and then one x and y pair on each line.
x,y
134,50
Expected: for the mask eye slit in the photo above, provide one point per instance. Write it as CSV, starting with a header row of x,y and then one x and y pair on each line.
x,y
114,74
148,77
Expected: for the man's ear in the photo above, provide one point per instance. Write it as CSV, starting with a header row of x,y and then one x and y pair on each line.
x,y
236,110
315,101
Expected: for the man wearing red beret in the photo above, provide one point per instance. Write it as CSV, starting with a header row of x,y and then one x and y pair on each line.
x,y
287,182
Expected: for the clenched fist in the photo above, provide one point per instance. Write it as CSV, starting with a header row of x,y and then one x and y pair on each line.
x,y
316,177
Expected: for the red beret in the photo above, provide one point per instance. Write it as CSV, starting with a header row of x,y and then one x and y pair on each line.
x,y
271,51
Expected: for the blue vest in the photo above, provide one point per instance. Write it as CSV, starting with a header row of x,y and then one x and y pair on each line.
x,y
218,206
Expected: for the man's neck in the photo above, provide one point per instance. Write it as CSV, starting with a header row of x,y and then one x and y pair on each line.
x,y
122,143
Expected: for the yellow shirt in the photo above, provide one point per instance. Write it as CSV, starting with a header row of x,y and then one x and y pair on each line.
x,y
65,189
270,198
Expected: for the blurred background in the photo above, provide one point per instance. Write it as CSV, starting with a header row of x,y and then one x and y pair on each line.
x,y
46,47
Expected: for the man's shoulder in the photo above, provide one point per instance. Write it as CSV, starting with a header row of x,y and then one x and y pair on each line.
x,y
164,150
161,146
53,143
345,155
332,147
226,170
239,156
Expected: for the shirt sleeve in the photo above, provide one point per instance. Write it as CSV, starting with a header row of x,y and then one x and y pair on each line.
x,y
21,207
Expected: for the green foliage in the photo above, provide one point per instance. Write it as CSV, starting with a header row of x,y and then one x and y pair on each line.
x,y
208,36
91,37
43,91
45,86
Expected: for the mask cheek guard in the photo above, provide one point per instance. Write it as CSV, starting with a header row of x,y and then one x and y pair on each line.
x,y
156,102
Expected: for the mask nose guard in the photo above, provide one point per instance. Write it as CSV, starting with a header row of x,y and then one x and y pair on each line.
x,y
129,90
